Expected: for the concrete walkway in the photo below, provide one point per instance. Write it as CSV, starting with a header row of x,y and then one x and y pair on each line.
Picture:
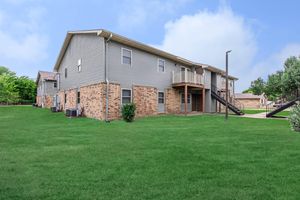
x,y
257,116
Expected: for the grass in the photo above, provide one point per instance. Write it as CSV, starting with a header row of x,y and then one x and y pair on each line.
x,y
45,155
253,111
284,113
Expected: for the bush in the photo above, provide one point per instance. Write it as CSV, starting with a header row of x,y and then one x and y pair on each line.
x,y
295,118
128,112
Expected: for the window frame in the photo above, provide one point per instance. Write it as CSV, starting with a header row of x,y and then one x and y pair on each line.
x,y
123,55
66,72
158,98
122,95
158,66
189,96
78,97
79,65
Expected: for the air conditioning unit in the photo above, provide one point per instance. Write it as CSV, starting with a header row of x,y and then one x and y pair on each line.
x,y
54,109
71,112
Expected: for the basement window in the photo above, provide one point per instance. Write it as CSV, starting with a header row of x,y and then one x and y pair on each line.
x,y
161,97
126,96
78,97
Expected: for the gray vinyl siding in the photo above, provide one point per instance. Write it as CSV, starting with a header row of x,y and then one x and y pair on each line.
x,y
142,71
208,101
49,88
89,48
207,79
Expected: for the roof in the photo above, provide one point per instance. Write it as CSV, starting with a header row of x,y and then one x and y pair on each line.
x,y
50,76
248,96
131,43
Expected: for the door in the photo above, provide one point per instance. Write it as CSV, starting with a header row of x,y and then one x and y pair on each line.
x,y
196,102
161,102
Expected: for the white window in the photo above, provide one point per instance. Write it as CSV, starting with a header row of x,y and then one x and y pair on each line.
x,y
161,65
126,96
161,97
188,98
79,65
126,56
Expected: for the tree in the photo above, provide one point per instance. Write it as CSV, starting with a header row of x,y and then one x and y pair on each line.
x,y
5,70
8,91
26,88
257,86
291,77
273,88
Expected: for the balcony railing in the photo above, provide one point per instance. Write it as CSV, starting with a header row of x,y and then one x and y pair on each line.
x,y
187,76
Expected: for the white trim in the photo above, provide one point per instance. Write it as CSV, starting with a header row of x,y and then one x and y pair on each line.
x,y
79,65
159,59
122,94
122,48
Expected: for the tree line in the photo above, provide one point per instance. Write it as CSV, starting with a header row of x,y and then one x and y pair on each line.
x,y
283,84
16,89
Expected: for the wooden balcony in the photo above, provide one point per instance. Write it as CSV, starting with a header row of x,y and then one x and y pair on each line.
x,y
186,77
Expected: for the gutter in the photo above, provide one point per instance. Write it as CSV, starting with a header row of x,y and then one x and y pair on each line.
x,y
106,77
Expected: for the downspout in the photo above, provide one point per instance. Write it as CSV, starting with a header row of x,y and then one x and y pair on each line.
x,y
106,78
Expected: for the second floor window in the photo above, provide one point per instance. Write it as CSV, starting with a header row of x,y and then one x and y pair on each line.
x,y
126,96
161,65
66,72
126,56
79,65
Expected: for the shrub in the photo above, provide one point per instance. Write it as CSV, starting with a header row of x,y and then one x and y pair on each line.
x,y
128,112
295,118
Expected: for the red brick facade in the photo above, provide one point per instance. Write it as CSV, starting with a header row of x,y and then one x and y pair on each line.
x,y
145,99
172,101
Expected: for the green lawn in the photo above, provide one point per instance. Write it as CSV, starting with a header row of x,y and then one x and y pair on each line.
x,y
250,111
284,113
45,155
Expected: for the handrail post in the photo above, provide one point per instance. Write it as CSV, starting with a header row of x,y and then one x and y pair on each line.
x,y
173,78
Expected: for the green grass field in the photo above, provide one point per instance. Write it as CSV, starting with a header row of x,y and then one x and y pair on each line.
x,y
45,155
284,113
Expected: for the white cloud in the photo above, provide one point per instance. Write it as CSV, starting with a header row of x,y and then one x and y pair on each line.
x,y
23,43
206,36
136,13
275,62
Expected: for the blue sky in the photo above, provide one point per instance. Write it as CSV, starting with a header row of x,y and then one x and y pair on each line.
x,y
261,34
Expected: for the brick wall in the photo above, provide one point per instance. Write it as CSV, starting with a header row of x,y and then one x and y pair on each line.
x,y
250,103
61,96
48,101
71,98
91,101
172,101
114,110
39,100
145,99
